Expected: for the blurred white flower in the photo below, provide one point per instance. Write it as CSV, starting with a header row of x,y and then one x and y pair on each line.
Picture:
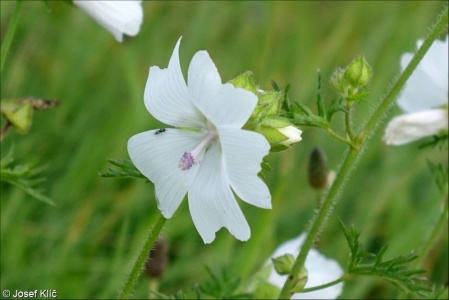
x,y
292,133
208,153
321,270
118,17
423,99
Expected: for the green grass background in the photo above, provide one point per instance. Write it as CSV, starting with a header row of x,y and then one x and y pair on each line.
x,y
84,245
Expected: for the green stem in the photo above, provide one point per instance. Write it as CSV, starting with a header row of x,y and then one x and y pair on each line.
x,y
338,137
143,255
323,286
353,155
348,120
10,33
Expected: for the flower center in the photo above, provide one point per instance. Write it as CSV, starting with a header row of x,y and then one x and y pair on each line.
x,y
189,159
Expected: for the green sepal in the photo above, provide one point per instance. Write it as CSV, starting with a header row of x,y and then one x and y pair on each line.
x,y
359,72
283,264
301,281
245,81
25,177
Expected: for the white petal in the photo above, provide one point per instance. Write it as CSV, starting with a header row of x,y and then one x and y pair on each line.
x,y
242,153
166,96
321,270
292,133
118,17
410,127
211,202
222,104
157,157
427,87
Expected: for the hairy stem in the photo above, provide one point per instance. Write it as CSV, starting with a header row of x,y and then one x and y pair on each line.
x,y
353,155
348,114
133,276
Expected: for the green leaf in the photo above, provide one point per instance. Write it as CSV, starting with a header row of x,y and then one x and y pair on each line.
x,y
125,169
336,106
440,174
394,270
440,140
25,177
223,285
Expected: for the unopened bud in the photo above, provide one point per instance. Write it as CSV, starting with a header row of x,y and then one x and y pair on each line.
x,y
283,264
338,81
279,132
358,73
317,170
157,258
300,282
292,133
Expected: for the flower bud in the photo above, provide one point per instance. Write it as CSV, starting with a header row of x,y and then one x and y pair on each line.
x,y
279,132
157,258
338,81
358,73
283,264
317,170
301,281
293,134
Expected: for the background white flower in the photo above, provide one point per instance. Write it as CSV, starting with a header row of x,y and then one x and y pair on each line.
x,y
208,153
426,89
321,270
118,17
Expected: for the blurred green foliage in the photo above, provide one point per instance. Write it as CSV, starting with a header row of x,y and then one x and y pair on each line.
x,y
84,245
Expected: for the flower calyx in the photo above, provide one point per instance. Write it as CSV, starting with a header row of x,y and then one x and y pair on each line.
x,y
349,82
267,118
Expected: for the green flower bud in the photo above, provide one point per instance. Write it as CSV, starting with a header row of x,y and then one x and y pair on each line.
x,y
301,281
338,81
283,264
358,73
279,132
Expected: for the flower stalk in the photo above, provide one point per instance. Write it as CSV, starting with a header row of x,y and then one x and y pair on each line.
x,y
133,276
353,155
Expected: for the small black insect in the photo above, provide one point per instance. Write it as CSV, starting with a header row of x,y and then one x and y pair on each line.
x,y
160,131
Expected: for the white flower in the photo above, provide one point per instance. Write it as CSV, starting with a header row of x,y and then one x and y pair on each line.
x,y
292,133
410,127
208,153
321,270
118,17
426,89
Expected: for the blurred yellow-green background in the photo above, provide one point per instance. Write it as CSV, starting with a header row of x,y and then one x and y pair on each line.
x,y
84,245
